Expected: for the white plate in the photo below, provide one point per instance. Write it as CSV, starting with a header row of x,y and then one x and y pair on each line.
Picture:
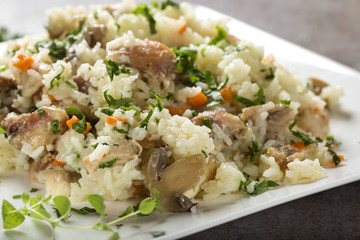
x,y
344,125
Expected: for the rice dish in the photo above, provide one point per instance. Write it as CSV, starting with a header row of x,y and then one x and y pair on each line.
x,y
119,99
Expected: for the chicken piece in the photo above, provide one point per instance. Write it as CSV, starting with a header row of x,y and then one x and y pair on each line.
x,y
285,154
277,120
7,83
317,85
95,34
313,121
33,129
230,124
38,166
125,152
181,180
148,56
57,180
82,84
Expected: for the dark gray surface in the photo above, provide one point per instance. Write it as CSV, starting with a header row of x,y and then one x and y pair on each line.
x,y
328,27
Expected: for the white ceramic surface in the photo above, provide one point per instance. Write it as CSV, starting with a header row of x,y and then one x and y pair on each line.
x,y
344,126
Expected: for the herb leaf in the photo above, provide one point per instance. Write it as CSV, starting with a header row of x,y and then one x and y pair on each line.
x,y
207,123
80,126
158,234
108,164
303,136
144,123
143,9
114,103
168,3
55,81
63,205
75,111
2,130
263,187
248,103
41,112
11,217
147,206
285,102
253,149
83,211
55,126
220,39
336,158
98,203
112,68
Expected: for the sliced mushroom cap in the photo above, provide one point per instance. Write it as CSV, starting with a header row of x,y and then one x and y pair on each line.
x,y
57,180
7,83
96,33
125,152
279,118
317,85
148,56
82,84
181,180
314,121
34,129
285,154
229,123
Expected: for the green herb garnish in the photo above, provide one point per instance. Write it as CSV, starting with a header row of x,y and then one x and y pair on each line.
x,y
109,163
158,234
248,103
263,187
144,123
123,103
220,39
143,9
169,3
303,136
34,190
3,68
285,102
55,126
55,81
253,149
2,130
204,153
41,112
83,211
71,85
207,123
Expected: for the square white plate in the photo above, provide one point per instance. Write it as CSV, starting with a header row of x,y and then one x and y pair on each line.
x,y
344,126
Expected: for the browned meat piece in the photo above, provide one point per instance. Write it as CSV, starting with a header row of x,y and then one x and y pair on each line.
x,y
71,56
95,34
230,124
285,154
6,83
314,121
34,129
82,84
317,85
278,119
57,180
40,165
181,180
151,57
125,152
232,39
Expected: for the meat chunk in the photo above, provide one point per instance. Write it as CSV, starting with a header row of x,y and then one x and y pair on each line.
x,y
40,165
7,83
82,84
278,119
314,121
285,154
34,129
148,56
181,180
317,85
96,34
230,124
57,180
125,152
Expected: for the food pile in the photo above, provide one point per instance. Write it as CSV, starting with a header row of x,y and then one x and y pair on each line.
x,y
123,99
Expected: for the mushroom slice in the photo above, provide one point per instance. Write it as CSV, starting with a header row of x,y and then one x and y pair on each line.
x,y
36,167
7,83
94,34
57,180
317,85
181,180
124,152
314,121
82,84
285,154
34,129
148,56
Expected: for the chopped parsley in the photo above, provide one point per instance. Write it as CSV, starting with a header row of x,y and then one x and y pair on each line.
x,y
248,103
259,187
108,164
144,123
3,68
143,9
158,234
74,111
168,3
55,81
41,112
123,103
34,190
335,157
194,113
113,69
96,15
204,153
253,149
303,136
285,102
2,130
220,39
83,211
207,123
71,85
55,126
269,72
80,126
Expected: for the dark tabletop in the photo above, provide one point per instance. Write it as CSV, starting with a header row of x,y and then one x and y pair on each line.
x,y
328,27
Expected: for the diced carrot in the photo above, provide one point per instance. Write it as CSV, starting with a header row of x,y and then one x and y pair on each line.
x,y
113,120
300,146
182,29
23,62
88,127
58,163
138,188
197,101
176,110
226,93
70,122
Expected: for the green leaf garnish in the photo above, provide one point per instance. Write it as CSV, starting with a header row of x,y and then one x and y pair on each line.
x,y
158,234
207,123
114,104
253,149
80,126
55,81
285,102
144,123
75,111
109,163
303,136
2,130
55,126
263,187
248,103
143,9
63,205
34,190
98,203
41,112
3,68
220,39
169,3
11,217
147,206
